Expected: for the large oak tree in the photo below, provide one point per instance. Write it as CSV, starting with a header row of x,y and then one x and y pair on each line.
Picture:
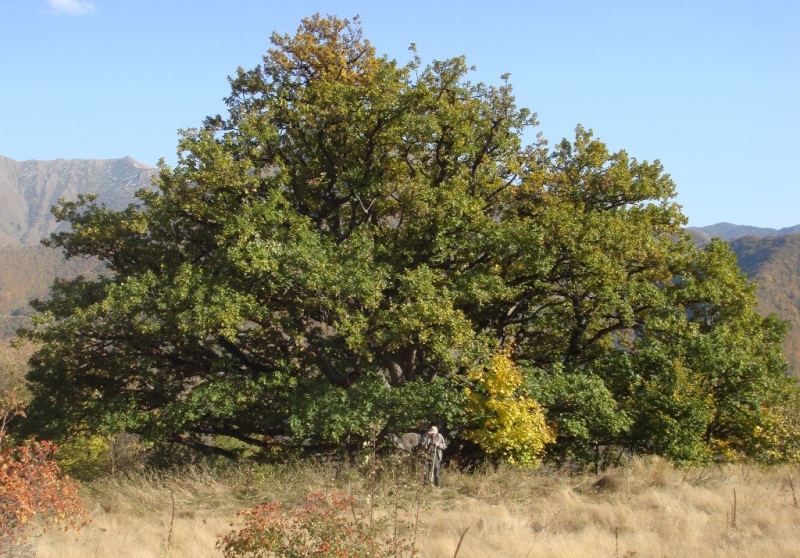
x,y
336,256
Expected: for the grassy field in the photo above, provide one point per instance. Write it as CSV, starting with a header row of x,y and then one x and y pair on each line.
x,y
648,509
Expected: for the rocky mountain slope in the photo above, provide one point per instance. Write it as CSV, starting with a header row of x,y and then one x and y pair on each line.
x,y
28,189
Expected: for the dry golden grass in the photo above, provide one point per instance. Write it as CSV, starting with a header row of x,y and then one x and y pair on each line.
x,y
648,509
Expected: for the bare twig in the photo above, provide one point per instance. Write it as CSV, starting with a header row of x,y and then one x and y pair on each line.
x,y
372,477
460,540
416,523
168,541
353,507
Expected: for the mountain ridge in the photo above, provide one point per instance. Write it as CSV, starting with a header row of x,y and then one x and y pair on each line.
x,y
728,231
29,189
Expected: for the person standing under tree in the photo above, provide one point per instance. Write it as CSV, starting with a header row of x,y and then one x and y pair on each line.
x,y
433,444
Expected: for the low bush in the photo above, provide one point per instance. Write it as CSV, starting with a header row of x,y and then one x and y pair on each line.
x,y
325,526
34,494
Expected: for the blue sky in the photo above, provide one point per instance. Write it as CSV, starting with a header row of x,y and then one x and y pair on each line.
x,y
711,88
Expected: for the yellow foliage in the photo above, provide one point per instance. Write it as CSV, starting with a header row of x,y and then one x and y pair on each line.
x,y
85,457
777,437
90,457
511,424
326,48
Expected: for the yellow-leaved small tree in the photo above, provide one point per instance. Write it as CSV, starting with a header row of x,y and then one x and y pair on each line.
x,y
510,425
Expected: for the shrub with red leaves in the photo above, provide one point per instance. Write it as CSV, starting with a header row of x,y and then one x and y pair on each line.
x,y
325,526
34,494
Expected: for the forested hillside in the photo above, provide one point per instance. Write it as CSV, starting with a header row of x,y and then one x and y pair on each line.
x,y
774,263
27,272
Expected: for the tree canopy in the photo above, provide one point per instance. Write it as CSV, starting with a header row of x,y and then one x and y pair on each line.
x,y
345,250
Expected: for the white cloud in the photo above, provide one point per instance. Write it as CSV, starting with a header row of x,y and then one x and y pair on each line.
x,y
72,7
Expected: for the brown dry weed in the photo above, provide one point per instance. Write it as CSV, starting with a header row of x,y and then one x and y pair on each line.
x,y
647,509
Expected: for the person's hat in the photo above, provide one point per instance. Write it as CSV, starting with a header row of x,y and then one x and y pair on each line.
x,y
433,430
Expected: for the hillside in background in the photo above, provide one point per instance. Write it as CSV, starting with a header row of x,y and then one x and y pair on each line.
x,y
29,189
728,231
774,263
26,272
